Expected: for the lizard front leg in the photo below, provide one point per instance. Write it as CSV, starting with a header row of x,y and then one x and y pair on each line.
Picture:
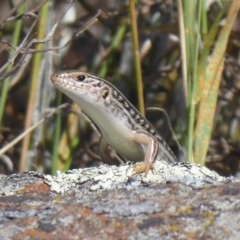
x,y
151,153
104,153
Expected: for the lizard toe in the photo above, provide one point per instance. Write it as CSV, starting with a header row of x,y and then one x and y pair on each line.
x,y
142,168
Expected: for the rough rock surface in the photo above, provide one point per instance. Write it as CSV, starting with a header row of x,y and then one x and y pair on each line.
x,y
175,202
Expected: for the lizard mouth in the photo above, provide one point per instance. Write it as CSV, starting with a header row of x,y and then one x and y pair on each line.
x,y
59,80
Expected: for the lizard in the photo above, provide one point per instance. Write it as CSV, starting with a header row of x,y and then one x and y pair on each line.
x,y
122,126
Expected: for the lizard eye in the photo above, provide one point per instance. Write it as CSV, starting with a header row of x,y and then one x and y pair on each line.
x,y
81,78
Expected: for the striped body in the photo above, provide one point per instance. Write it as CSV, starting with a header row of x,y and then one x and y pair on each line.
x,y
122,127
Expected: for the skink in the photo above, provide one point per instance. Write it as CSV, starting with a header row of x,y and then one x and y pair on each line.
x,y
122,127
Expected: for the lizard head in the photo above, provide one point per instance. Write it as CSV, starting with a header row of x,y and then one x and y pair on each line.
x,y
83,87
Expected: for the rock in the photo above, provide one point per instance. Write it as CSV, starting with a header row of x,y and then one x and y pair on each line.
x,y
180,201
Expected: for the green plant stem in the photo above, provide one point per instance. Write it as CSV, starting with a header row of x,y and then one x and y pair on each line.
x,y
194,88
114,46
204,23
5,85
136,57
191,56
213,76
33,87
57,135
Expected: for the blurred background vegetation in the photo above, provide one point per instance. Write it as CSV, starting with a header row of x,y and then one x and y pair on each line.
x,y
189,53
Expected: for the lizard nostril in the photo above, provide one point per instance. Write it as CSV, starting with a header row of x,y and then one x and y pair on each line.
x,y
54,77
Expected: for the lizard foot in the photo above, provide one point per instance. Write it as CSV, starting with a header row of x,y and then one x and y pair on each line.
x,y
142,168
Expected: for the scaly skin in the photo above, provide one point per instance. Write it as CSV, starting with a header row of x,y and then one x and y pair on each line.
x,y
122,127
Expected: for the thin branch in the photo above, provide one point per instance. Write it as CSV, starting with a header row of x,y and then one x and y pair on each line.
x,y
11,12
12,59
28,49
75,34
25,46
27,14
22,135
21,16
38,7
